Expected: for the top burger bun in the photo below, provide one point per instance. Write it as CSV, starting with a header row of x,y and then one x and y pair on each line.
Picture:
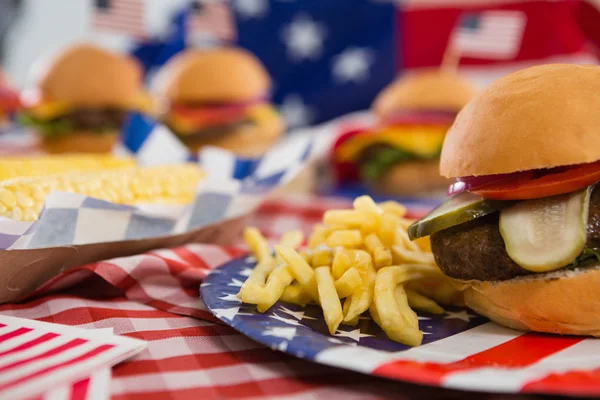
x,y
218,75
540,117
86,75
427,90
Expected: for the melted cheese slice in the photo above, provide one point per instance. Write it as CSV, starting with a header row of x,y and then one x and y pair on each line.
x,y
425,141
52,109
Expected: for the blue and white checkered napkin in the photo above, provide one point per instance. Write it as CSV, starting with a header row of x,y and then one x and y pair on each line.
x,y
234,187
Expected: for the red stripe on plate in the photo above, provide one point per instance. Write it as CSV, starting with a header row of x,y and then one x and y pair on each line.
x,y
49,353
516,353
79,390
32,343
579,383
15,333
37,374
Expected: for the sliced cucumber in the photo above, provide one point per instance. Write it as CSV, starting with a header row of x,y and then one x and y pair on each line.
x,y
460,208
546,234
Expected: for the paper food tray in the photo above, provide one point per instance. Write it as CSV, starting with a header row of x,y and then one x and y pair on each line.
x,y
75,230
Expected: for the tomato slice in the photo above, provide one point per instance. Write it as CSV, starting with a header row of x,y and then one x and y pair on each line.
x,y
210,115
540,183
9,100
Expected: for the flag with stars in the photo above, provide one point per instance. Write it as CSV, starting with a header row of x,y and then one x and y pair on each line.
x,y
326,63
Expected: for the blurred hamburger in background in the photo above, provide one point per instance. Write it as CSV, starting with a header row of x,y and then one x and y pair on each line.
x,y
79,98
9,101
400,154
219,97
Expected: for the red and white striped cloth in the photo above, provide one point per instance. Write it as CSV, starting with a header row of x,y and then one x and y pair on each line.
x,y
154,297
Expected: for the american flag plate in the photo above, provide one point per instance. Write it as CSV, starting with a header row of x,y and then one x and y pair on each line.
x,y
460,350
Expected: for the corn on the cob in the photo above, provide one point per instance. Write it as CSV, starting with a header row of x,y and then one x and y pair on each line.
x,y
22,199
20,167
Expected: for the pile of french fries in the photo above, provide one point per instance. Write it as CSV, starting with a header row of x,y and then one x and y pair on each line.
x,y
357,260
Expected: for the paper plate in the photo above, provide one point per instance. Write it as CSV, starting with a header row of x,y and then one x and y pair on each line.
x,y
460,350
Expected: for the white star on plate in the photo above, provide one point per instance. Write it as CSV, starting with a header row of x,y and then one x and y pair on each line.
x,y
355,335
226,313
285,320
352,65
295,112
422,318
296,314
282,346
249,9
235,283
303,38
334,340
284,333
230,297
250,260
462,315
246,272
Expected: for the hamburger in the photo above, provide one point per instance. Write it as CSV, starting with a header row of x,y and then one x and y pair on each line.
x,y
9,101
79,98
219,97
521,232
400,154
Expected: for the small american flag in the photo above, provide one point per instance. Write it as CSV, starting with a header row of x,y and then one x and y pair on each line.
x,y
489,34
211,19
122,16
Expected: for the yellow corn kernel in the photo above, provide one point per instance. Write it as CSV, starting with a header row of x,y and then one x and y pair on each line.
x,y
23,198
21,167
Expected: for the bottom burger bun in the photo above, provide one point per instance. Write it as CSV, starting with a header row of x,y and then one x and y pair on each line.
x,y
564,302
80,142
418,177
247,140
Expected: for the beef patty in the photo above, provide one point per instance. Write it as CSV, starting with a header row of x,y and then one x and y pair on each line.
x,y
476,250
95,119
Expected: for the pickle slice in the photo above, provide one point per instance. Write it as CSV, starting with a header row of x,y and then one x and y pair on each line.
x,y
546,234
458,209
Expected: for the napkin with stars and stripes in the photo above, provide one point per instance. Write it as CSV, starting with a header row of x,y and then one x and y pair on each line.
x,y
54,362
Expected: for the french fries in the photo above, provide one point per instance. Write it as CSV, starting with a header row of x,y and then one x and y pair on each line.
x,y
357,260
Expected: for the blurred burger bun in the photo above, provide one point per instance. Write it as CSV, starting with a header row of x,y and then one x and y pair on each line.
x,y
222,75
426,90
430,90
84,76
81,142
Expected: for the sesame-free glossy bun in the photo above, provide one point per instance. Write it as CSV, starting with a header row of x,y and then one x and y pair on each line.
x,y
86,75
540,117
223,74
425,90
565,302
